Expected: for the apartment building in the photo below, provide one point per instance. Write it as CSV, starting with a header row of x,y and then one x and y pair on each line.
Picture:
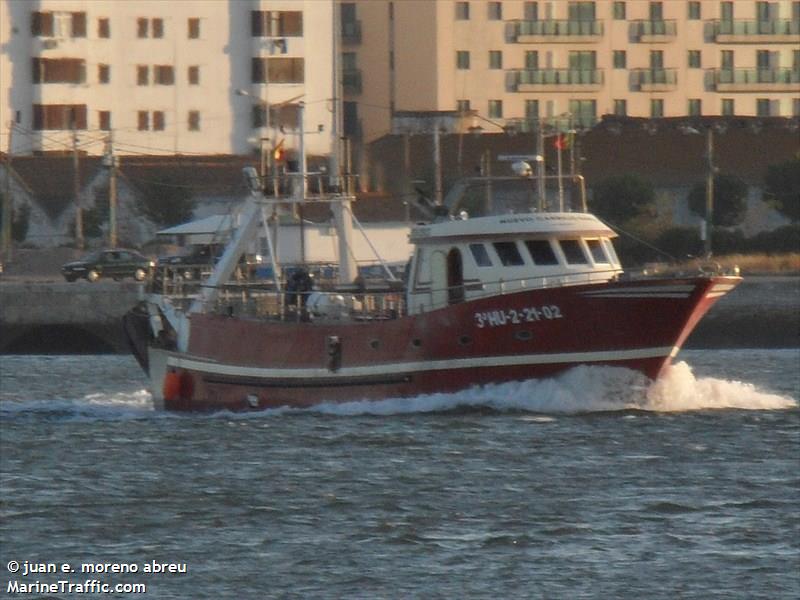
x,y
221,77
512,62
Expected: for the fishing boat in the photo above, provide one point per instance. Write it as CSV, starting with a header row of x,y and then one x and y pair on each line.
x,y
498,287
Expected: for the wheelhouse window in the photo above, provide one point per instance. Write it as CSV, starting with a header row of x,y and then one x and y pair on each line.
x,y
598,254
541,252
573,252
509,254
480,255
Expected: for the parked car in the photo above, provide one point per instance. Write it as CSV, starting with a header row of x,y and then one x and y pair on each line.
x,y
197,261
116,263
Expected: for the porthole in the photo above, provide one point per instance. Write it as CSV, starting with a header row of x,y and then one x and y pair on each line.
x,y
523,335
374,344
416,342
464,340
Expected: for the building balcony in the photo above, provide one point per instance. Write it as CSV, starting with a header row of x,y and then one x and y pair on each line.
x,y
351,32
653,32
555,80
653,80
555,31
754,80
351,81
778,31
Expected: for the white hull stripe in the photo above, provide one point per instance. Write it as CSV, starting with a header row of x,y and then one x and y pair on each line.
x,y
723,287
641,289
216,368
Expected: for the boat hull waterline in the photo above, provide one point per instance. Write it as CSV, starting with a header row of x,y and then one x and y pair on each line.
x,y
240,364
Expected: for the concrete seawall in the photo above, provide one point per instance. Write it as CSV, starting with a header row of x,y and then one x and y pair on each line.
x,y
59,317
63,318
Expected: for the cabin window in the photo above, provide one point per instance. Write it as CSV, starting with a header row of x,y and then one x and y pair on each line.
x,y
509,254
480,255
596,248
610,251
541,252
573,252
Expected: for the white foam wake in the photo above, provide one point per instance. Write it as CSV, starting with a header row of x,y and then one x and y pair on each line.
x,y
585,389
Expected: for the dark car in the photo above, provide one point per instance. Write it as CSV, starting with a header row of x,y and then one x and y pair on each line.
x,y
117,264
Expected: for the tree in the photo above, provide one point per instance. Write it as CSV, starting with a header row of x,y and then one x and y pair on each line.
x,y
782,188
167,201
20,221
730,200
622,198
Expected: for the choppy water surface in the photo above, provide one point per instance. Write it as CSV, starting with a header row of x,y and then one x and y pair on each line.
x,y
593,485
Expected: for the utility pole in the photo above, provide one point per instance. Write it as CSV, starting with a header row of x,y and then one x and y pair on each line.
x,y
437,164
112,195
709,190
540,166
77,190
8,213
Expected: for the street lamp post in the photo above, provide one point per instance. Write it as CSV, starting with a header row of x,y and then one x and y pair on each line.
x,y
709,191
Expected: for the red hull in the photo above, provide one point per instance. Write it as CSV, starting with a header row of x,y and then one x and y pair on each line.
x,y
242,364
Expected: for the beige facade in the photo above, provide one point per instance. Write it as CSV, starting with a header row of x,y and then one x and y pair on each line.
x,y
514,61
165,77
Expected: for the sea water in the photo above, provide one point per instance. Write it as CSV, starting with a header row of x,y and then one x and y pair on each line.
x,y
594,484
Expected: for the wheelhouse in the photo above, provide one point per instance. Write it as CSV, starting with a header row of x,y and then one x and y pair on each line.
x,y
457,261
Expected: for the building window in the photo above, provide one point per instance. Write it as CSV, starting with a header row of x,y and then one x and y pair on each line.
x,y
620,59
278,70
763,107
42,24
194,75
194,120
581,11
531,109
584,112
656,11
163,75
59,116
694,11
194,28
657,108
64,24
142,27
462,59
143,120
796,107
103,73
79,24
618,11
142,75
727,107
158,120
531,11
532,59
495,11
462,106
695,108
495,59
695,59
621,108
103,28
105,120
158,28
266,23
59,70
495,109
462,11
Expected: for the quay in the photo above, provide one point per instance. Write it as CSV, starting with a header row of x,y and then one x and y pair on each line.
x,y
50,317
54,317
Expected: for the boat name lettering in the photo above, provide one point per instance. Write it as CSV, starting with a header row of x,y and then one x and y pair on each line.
x,y
513,316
